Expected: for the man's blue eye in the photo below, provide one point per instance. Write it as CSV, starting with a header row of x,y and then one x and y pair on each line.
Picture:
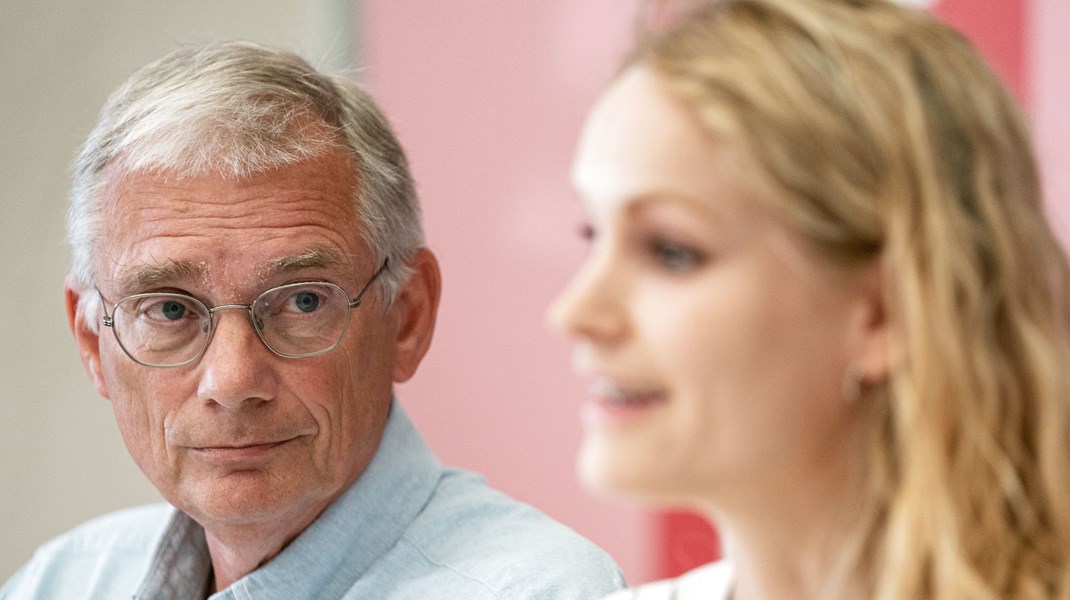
x,y
306,301
173,310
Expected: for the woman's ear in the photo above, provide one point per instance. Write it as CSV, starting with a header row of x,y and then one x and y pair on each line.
x,y
880,347
877,348
86,337
416,307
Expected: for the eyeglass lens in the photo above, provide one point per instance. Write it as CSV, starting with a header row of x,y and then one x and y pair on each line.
x,y
163,329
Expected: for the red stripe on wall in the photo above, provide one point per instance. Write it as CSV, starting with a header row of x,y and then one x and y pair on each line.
x,y
686,541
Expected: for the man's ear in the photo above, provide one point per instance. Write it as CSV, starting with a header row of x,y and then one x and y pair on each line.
x,y
416,307
87,339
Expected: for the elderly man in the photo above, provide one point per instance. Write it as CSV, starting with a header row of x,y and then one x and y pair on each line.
x,y
248,281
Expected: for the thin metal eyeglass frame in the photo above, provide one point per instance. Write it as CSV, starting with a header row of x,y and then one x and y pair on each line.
x,y
109,322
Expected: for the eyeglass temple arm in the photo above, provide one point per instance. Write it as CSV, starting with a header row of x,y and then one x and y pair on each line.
x,y
356,301
106,320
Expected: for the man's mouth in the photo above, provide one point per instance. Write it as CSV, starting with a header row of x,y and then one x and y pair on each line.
x,y
242,452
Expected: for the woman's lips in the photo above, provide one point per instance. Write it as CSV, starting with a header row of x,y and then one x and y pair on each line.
x,y
611,403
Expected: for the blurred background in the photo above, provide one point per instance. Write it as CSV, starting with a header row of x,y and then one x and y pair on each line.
x,y
487,96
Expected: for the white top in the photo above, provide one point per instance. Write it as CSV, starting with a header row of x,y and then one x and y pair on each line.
x,y
708,582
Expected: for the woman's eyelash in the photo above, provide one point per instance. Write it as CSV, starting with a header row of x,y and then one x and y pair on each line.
x,y
669,255
674,256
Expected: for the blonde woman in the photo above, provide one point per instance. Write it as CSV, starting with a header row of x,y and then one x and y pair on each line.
x,y
823,307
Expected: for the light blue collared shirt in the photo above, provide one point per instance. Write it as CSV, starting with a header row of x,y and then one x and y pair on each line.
x,y
406,529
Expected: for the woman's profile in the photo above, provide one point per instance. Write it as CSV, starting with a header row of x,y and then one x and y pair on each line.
x,y
823,307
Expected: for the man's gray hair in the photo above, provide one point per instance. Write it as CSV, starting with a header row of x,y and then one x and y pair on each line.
x,y
238,108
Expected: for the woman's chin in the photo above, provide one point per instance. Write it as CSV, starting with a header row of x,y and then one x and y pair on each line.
x,y
607,468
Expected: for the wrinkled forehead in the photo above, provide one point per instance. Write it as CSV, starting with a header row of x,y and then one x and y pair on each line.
x,y
162,226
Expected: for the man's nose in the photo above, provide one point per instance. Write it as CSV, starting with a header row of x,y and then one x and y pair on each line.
x,y
236,367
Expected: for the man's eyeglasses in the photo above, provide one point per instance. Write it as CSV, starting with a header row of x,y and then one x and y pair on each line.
x,y
295,320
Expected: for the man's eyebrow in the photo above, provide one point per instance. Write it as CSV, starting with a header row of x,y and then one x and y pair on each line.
x,y
144,277
309,259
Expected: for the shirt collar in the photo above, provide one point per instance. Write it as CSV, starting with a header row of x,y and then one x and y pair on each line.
x,y
338,547
181,566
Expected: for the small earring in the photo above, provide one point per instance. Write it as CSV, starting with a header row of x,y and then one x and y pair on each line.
x,y
851,387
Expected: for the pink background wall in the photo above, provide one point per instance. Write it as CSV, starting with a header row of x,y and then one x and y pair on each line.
x,y
488,96
1048,60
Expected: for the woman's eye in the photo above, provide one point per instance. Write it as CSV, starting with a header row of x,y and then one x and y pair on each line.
x,y
675,257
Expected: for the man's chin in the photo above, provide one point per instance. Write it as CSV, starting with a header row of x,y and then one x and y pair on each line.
x,y
244,498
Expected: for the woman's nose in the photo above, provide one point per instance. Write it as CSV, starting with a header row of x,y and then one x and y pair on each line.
x,y
592,305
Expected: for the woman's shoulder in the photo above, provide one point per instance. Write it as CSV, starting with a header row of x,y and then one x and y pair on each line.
x,y
712,581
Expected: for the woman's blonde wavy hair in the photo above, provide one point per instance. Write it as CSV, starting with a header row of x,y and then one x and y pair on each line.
x,y
887,138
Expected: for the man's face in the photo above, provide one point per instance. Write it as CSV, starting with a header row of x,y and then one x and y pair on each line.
x,y
243,436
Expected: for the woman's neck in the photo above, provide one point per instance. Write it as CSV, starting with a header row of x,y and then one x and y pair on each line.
x,y
786,535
